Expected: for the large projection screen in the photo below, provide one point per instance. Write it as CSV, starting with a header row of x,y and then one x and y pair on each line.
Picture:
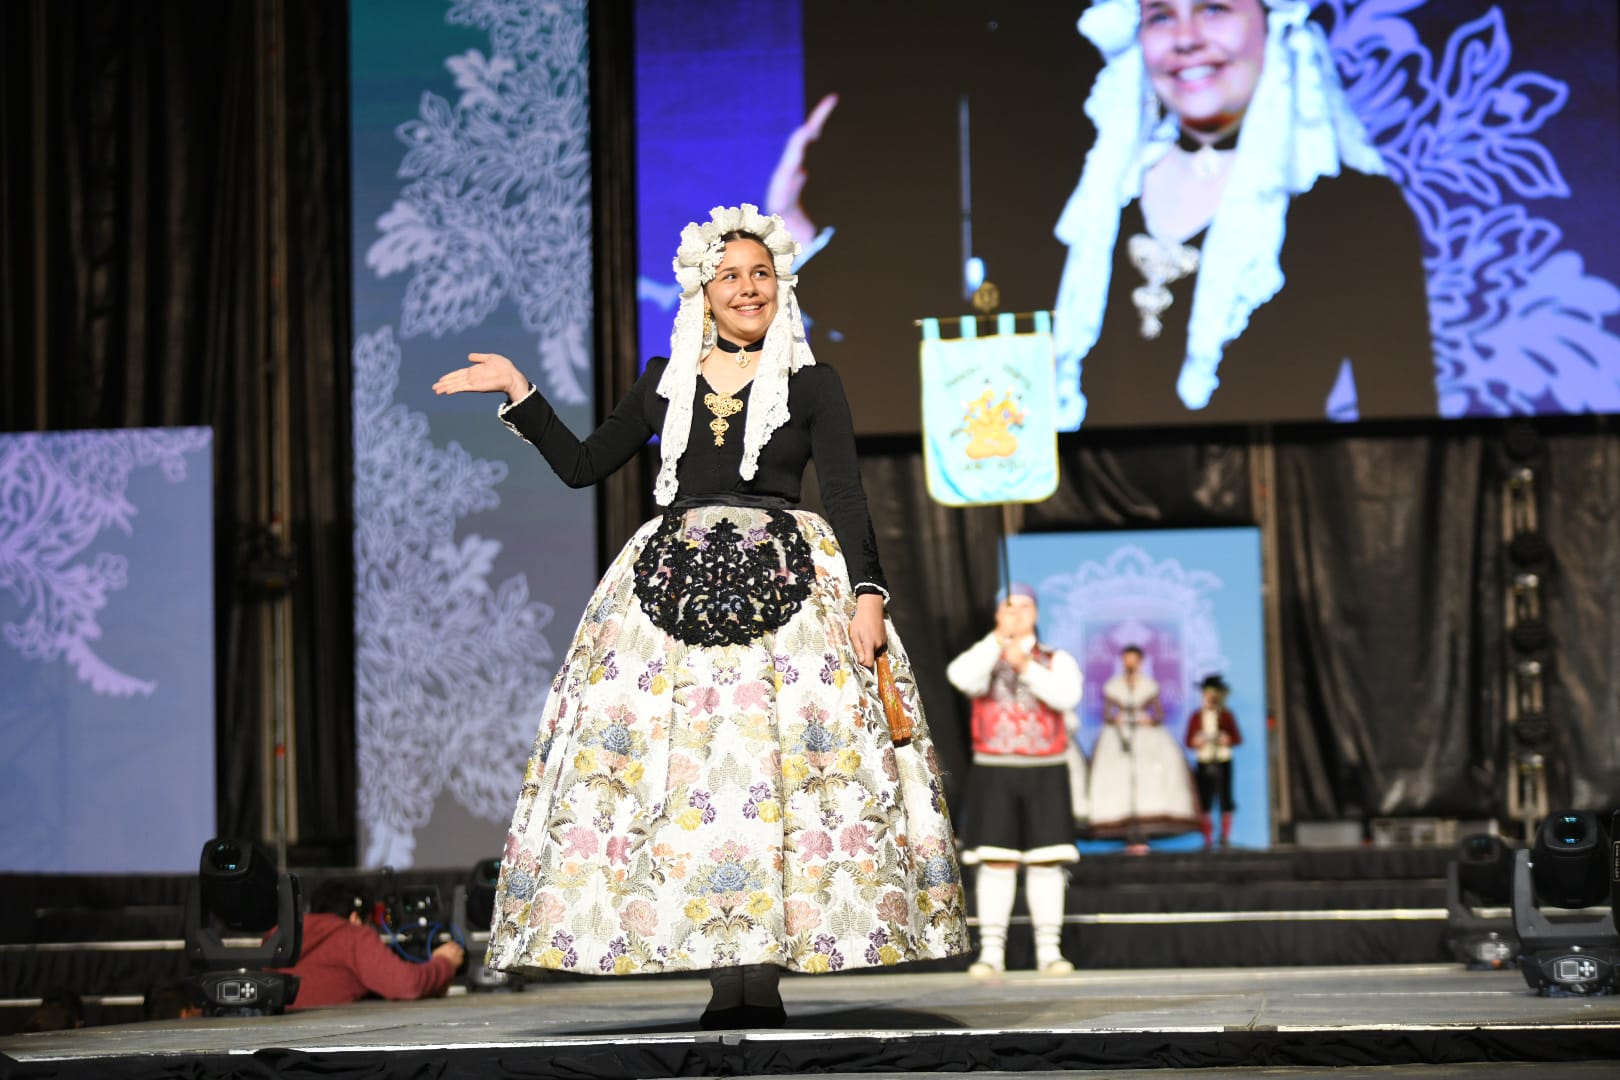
x,y
1475,277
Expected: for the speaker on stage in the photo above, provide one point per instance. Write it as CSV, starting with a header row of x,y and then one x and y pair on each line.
x,y
1570,867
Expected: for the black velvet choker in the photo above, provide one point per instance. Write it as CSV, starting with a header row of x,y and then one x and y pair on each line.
x,y
1186,142
733,347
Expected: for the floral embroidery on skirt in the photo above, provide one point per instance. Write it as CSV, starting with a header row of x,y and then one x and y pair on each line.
x,y
698,806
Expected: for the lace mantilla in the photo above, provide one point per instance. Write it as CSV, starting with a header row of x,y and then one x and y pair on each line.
x,y
786,347
725,582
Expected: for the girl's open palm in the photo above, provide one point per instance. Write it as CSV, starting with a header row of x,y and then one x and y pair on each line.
x,y
486,373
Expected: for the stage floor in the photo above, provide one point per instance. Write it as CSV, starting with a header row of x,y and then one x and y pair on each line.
x,y
1225,1018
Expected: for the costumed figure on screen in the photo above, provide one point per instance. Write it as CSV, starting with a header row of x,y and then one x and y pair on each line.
x,y
1140,784
714,786
1237,250
1212,732
1027,787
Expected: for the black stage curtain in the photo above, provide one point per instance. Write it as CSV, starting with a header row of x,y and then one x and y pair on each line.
x,y
1391,581
155,179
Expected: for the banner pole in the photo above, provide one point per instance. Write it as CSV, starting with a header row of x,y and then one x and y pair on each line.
x,y
1006,553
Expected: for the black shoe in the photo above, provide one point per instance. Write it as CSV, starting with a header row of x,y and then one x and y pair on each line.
x,y
721,1019
743,1018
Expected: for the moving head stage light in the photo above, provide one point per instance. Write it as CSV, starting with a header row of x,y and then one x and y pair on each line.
x,y
1569,867
1479,879
472,906
240,891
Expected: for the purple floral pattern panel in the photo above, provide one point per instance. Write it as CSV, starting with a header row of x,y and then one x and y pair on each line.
x,y
1519,324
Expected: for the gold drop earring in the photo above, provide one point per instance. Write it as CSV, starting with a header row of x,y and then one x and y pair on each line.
x,y
708,326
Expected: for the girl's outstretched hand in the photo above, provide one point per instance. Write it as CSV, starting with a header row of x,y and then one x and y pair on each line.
x,y
487,373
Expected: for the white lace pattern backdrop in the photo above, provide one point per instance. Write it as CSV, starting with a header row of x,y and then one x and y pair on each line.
x,y
472,233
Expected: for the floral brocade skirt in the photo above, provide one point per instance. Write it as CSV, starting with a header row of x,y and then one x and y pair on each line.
x,y
713,781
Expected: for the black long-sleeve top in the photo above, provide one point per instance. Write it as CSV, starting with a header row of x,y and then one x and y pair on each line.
x,y
1354,291
819,428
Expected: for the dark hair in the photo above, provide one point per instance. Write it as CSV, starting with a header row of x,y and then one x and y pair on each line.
x,y
1137,649
744,234
341,896
59,1010
167,1000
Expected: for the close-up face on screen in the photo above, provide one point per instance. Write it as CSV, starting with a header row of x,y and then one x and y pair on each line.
x,y
1236,211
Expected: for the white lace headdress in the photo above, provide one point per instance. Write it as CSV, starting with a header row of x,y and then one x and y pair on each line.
x,y
1299,127
786,349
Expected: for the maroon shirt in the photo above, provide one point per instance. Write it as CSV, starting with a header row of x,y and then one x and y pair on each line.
x,y
343,962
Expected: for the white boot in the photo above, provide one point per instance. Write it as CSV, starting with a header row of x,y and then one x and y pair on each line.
x,y
1043,892
994,889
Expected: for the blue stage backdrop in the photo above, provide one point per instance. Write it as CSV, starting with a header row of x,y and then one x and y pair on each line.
x,y
701,141
472,199
938,141
106,650
1190,598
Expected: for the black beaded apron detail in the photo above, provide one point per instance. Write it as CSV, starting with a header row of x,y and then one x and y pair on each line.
x,y
726,582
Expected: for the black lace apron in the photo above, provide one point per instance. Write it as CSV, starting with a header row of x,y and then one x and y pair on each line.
x,y
727,582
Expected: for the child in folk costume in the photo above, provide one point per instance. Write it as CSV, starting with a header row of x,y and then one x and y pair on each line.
x,y
1028,779
1140,783
1211,733
714,786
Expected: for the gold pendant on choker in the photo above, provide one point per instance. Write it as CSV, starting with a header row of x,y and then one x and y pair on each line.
x,y
722,405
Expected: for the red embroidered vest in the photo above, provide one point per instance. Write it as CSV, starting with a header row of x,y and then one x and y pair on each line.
x,y
1009,720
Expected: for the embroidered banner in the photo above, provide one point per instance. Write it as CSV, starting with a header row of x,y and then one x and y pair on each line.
x,y
989,413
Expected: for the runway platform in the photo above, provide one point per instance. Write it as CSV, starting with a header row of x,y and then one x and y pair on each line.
x,y
1383,1020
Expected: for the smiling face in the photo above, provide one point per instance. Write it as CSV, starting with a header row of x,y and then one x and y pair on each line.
x,y
743,292
1204,58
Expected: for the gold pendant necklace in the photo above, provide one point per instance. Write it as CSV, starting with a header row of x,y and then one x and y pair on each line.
x,y
1162,263
722,405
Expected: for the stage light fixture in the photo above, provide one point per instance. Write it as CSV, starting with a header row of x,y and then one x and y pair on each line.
x,y
1526,547
1481,878
1485,870
1529,632
481,882
1614,868
1531,724
416,919
416,915
239,889
1569,867
473,906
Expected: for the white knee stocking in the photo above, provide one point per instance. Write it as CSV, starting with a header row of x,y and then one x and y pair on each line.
x,y
994,888
1043,892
